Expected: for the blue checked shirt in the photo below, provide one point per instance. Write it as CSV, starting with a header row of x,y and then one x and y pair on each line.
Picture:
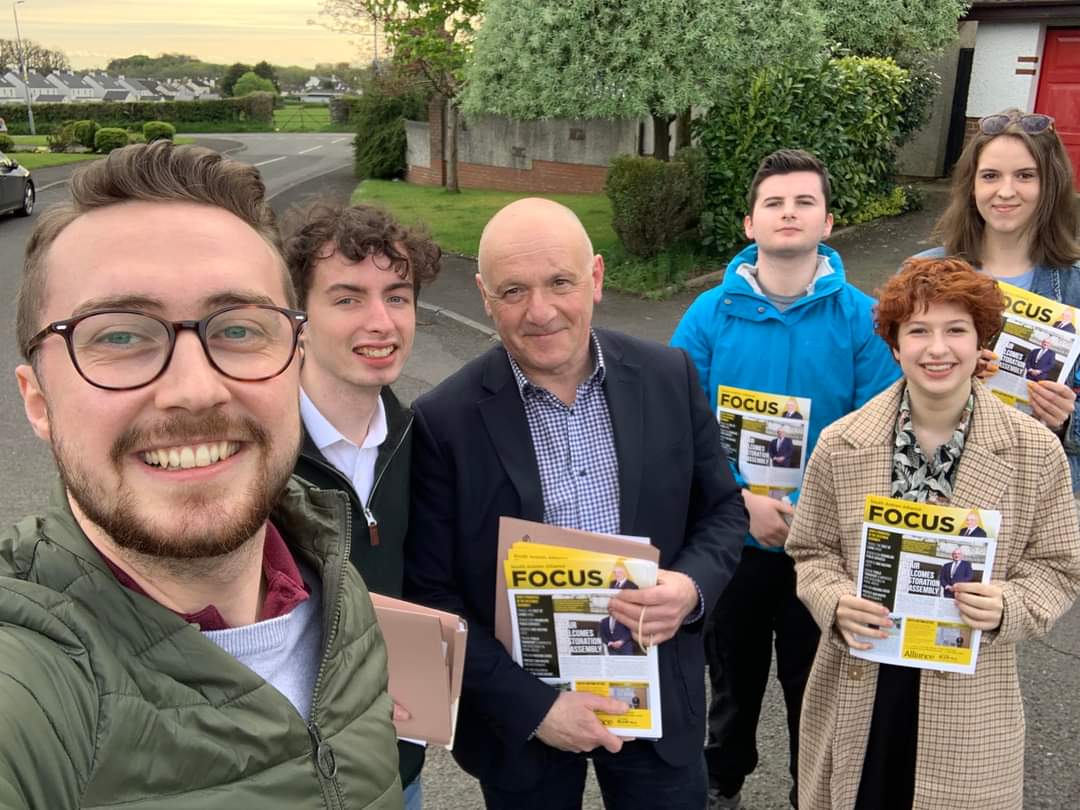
x,y
575,451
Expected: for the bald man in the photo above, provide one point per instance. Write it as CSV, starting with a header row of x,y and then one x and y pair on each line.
x,y
557,425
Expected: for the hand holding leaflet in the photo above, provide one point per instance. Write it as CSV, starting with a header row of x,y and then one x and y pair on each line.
x,y
571,723
769,518
655,614
980,604
856,617
574,616
1051,403
924,583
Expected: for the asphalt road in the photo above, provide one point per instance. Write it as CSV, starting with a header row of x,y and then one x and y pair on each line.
x,y
297,167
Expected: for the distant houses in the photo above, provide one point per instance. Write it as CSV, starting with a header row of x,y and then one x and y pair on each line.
x,y
73,87
68,87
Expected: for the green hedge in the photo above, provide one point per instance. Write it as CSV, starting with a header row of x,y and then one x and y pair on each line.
x,y
849,112
379,145
108,138
6,143
251,112
344,109
654,203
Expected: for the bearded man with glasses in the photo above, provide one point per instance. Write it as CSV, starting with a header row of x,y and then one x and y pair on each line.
x,y
174,630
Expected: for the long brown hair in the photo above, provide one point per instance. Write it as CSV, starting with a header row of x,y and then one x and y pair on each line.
x,y
1056,221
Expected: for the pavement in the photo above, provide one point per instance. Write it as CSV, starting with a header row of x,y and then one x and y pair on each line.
x,y
453,328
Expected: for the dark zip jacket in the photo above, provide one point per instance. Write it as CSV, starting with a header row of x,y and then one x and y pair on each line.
x,y
378,527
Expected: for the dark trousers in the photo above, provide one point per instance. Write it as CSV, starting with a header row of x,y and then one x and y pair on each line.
x,y
634,779
758,605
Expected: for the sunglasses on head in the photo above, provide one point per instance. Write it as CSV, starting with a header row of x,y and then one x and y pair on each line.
x,y
1031,123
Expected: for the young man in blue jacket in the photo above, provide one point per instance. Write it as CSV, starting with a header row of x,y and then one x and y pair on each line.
x,y
786,322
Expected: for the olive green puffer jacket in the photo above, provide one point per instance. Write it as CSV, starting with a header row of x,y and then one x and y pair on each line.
x,y
108,699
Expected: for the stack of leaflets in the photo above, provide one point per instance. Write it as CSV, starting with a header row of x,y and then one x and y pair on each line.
x,y
765,436
1037,342
561,630
912,555
425,649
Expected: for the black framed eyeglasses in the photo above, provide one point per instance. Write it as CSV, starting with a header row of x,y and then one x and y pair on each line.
x,y
1031,123
122,349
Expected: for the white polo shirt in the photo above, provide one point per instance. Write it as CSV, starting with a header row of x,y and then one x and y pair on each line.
x,y
355,463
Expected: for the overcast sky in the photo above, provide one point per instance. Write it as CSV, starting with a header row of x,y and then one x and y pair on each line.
x,y
92,32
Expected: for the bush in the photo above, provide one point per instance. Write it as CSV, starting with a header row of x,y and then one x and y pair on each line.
x,y
62,137
84,132
158,131
848,112
344,109
6,143
108,138
653,203
379,145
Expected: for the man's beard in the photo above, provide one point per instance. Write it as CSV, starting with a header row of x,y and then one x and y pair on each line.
x,y
200,526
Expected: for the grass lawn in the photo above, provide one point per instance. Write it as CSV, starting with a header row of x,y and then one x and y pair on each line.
x,y
36,160
295,118
456,220
41,160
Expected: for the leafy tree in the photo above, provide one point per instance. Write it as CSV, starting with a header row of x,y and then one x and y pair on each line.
x,y
266,71
250,82
38,58
166,67
432,37
232,74
630,58
897,28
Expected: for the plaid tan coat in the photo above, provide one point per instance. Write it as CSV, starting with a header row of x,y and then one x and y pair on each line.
x,y
968,724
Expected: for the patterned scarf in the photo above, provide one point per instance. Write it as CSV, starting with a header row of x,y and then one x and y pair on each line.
x,y
916,478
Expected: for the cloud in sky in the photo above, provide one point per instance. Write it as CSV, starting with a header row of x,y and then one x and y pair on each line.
x,y
92,32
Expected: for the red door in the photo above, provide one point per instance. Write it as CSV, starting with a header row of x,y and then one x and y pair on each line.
x,y
1059,89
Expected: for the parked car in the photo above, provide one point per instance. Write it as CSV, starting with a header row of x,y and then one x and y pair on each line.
x,y
16,188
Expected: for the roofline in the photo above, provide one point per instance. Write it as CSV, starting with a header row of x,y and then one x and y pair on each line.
x,y
1023,10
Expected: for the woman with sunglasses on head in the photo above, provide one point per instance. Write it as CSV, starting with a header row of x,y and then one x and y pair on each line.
x,y
1013,215
882,737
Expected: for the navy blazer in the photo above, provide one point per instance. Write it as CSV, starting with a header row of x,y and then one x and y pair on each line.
x,y
473,461
1041,364
964,573
620,632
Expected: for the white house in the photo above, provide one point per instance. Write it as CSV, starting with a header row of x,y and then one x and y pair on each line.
x,y
8,93
140,90
108,88
36,82
71,85
1027,55
1010,53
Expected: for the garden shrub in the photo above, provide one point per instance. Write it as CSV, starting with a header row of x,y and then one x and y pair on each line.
x,y
84,132
379,145
6,142
653,202
158,131
61,137
848,111
108,138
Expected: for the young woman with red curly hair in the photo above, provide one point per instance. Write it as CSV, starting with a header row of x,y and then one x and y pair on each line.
x,y
1013,215
879,737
